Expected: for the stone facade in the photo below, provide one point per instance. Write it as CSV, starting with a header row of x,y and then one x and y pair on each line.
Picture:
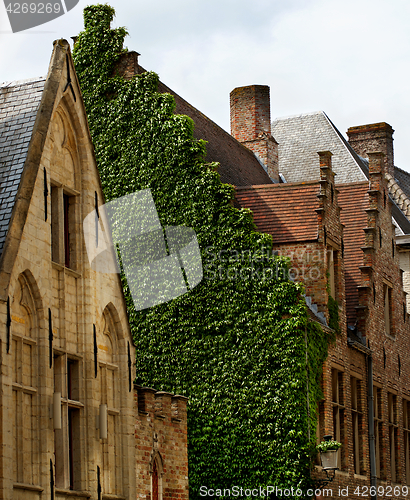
x,y
71,419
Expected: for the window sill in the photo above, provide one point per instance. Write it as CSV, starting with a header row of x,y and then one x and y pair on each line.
x,y
360,477
73,493
107,496
29,487
341,473
67,270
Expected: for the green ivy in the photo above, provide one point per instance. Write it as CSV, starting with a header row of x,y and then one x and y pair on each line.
x,y
235,344
333,308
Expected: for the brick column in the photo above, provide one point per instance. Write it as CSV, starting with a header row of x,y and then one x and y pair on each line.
x,y
374,137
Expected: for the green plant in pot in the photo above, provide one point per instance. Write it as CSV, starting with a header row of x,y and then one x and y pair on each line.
x,y
328,453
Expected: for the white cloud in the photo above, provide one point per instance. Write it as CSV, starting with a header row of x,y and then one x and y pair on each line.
x,y
349,58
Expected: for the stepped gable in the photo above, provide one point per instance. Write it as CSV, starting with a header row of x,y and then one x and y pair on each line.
x,y
353,200
238,165
286,211
19,103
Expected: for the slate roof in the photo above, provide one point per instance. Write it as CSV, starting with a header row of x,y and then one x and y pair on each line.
x,y
403,179
19,103
286,211
353,200
300,138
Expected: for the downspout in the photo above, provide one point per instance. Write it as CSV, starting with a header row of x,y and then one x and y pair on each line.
x,y
372,438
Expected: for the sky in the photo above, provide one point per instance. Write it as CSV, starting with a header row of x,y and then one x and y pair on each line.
x,y
349,58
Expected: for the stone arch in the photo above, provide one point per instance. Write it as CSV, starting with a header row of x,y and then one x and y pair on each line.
x,y
111,311
26,304
156,456
65,148
110,333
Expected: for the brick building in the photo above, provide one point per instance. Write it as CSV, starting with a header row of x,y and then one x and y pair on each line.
x,y
72,422
340,210
340,215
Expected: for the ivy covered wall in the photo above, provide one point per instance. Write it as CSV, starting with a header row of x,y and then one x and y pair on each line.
x,y
236,343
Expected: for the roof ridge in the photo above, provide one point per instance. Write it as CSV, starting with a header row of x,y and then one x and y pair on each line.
x,y
349,184
288,117
276,185
15,83
401,170
346,145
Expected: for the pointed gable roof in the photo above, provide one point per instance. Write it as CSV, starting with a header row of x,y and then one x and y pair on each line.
x,y
19,103
301,136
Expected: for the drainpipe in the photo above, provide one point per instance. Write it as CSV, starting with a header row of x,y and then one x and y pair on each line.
x,y
372,438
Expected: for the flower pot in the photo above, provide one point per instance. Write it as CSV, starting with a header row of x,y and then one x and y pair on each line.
x,y
329,459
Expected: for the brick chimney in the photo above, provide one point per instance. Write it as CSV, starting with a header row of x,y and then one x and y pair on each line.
x,y
127,65
374,137
250,124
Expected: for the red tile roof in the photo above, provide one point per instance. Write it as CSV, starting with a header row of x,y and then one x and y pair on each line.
x,y
286,211
353,199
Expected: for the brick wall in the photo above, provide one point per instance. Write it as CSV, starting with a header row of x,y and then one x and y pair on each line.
x,y
161,435
374,137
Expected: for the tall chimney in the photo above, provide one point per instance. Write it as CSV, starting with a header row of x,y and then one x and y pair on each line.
x,y
250,124
374,137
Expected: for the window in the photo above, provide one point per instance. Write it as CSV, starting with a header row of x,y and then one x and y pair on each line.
x,y
339,428
387,291
66,204
63,223
320,428
331,266
68,438
155,485
156,468
357,422
25,462
110,388
393,436
378,432
406,432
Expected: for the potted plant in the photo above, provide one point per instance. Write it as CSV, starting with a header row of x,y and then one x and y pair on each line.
x,y
328,453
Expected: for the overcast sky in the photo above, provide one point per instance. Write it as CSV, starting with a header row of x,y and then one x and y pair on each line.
x,y
349,58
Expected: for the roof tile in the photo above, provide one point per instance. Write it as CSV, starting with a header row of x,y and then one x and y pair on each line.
x,y
286,211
